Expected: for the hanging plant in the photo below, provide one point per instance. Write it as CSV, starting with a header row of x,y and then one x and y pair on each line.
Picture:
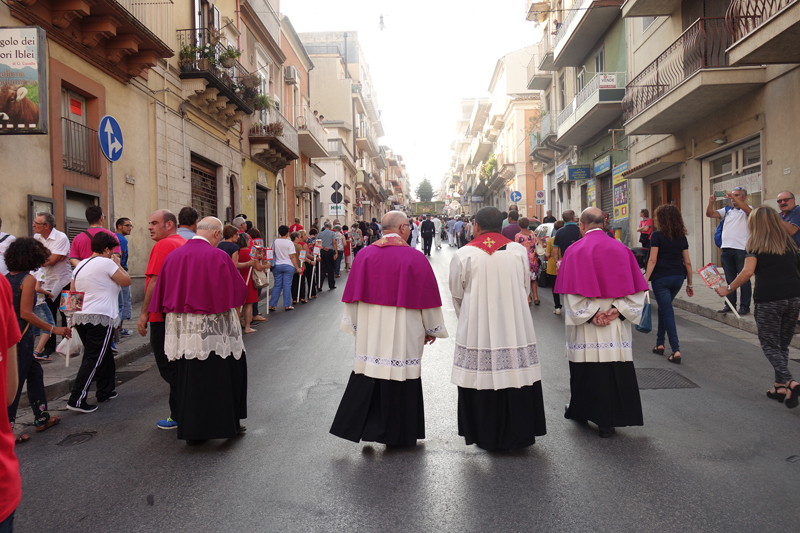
x,y
229,56
251,80
263,102
214,35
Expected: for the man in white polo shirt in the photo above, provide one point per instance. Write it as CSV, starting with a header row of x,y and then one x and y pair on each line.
x,y
734,242
57,272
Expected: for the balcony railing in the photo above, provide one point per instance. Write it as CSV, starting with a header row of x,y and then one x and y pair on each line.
x,y
269,18
322,49
155,15
81,148
305,120
286,134
200,58
575,10
364,132
565,113
338,148
745,16
601,80
701,46
545,50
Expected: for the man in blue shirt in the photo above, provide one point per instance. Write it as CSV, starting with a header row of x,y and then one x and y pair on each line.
x,y
124,227
449,225
568,234
328,255
457,231
790,213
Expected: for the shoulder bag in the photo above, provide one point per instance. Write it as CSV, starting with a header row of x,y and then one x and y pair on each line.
x,y
645,325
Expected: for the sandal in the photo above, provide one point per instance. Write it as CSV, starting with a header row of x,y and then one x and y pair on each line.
x,y
303,302
19,439
259,318
52,421
673,359
290,308
272,309
792,395
536,302
658,351
773,393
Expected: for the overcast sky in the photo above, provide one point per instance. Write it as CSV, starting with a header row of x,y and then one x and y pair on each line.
x,y
431,54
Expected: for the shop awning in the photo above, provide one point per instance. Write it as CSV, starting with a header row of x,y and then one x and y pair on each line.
x,y
654,165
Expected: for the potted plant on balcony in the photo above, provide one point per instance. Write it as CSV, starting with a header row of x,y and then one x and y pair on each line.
x,y
262,102
214,35
251,80
187,57
229,56
275,128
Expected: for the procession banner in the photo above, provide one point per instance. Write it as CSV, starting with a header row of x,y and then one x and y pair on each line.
x,y
711,276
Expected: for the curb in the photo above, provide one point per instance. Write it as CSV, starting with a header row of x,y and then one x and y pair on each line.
x,y
727,318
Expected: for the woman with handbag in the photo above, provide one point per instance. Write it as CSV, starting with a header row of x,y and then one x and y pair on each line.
x,y
22,256
645,228
773,257
299,279
553,256
528,239
260,278
253,265
286,264
669,265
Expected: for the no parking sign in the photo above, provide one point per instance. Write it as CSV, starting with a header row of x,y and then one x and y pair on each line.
x,y
540,198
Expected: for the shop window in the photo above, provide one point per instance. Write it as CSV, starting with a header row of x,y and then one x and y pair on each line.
x,y
204,188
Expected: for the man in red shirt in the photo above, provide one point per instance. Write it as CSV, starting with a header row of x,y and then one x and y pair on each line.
x,y
10,483
82,243
296,226
164,230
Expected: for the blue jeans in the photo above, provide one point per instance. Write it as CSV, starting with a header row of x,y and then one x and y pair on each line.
x,y
666,289
733,263
7,525
283,282
337,264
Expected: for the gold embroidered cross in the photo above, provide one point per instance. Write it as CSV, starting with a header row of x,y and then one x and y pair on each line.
x,y
489,242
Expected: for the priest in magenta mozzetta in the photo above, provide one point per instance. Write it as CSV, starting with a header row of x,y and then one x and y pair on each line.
x,y
199,290
393,309
604,295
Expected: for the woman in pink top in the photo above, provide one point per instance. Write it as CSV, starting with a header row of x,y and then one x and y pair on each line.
x,y
528,239
645,228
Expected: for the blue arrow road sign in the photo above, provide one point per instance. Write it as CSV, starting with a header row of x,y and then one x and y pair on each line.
x,y
516,196
110,138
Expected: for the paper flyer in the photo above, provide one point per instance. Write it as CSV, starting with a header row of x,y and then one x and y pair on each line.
x,y
268,251
316,250
71,302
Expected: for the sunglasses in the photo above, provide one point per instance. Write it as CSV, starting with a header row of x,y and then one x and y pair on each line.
x,y
784,200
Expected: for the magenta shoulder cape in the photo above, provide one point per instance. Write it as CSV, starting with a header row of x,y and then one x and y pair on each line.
x,y
598,267
198,278
394,275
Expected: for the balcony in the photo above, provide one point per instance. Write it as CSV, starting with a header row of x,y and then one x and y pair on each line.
x,y
273,140
302,183
544,147
380,160
538,80
311,136
225,93
597,105
269,18
364,182
689,81
764,32
366,140
546,53
81,149
649,8
584,25
338,148
124,38
358,98
371,106
537,10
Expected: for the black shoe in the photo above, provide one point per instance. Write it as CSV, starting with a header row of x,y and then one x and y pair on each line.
x,y
744,310
606,431
725,309
82,408
195,442
109,397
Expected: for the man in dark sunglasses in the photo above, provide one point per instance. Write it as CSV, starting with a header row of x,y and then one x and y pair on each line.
x,y
790,213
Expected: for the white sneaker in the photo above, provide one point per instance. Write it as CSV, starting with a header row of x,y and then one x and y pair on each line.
x,y
557,311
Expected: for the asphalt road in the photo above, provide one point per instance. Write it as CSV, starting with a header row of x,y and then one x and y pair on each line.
x,y
710,458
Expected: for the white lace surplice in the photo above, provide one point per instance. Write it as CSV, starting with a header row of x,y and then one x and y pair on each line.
x,y
389,340
195,336
587,343
495,341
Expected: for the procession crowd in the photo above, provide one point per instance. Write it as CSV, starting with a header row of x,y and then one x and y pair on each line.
x,y
203,285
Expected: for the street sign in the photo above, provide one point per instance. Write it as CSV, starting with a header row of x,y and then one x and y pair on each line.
x,y
516,196
540,198
110,138
579,172
359,211
335,209
336,197
336,186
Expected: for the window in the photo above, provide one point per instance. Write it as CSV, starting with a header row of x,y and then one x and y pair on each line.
x,y
600,60
204,188
580,80
562,90
75,203
80,144
646,22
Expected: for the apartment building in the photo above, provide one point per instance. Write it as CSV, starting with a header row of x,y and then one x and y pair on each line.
x,y
581,69
711,104
342,91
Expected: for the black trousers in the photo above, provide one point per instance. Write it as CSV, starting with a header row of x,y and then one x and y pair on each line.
x,y
311,282
427,241
551,280
53,306
29,371
165,367
97,364
328,263
299,282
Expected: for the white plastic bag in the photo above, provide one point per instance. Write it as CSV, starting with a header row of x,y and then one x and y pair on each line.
x,y
75,345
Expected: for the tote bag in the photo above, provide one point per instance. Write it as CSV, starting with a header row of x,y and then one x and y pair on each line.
x,y
645,325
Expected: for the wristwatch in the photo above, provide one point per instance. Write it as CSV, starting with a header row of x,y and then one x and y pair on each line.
x,y
729,289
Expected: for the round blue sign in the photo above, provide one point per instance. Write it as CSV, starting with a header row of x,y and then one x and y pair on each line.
x,y
110,138
516,196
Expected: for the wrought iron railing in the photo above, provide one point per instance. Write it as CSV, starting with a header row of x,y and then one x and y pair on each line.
x,y
306,121
600,80
155,15
201,51
745,16
575,10
701,46
274,124
81,148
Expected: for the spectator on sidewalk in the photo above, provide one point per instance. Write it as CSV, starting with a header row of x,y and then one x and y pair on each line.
x,y
296,226
549,218
82,243
163,229
790,215
553,256
286,264
772,256
57,271
511,229
669,265
22,256
264,266
10,481
124,227
241,223
313,267
734,241
328,254
245,258
339,238
99,278
5,242
645,228
529,240
41,310
187,222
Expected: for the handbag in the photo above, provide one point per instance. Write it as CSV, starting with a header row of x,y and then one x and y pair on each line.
x,y
645,325
260,280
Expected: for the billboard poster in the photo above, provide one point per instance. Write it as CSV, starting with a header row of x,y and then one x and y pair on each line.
x,y
23,80
579,172
591,193
620,185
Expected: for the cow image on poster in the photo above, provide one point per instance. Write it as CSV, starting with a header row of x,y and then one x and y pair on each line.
x,y
16,108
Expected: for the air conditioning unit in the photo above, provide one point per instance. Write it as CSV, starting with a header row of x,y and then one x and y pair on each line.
x,y
290,75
